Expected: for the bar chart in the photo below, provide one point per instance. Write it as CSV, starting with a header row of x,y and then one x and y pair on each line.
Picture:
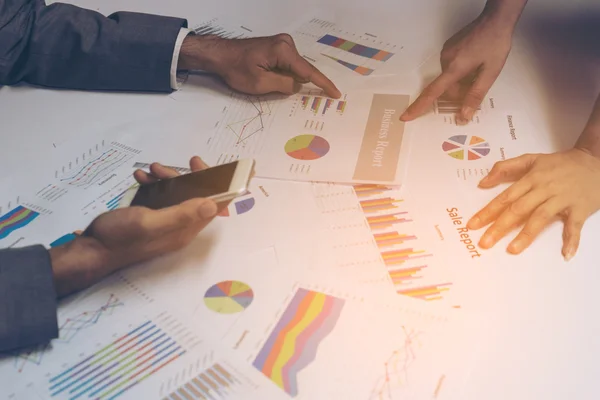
x,y
369,190
119,366
216,382
355,48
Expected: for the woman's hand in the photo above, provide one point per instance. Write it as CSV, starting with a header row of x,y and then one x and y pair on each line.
x,y
471,61
562,185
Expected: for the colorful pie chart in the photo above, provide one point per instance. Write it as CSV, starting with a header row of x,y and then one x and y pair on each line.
x,y
466,147
228,297
307,147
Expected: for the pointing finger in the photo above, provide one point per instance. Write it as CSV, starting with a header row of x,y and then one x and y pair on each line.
x,y
429,95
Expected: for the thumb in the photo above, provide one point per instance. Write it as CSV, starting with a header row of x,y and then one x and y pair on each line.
x,y
508,171
276,82
476,94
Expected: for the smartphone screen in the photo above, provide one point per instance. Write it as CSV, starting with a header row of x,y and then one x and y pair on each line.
x,y
170,192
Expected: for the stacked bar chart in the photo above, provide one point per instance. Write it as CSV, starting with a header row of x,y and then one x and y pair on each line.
x,y
216,382
356,68
316,104
119,366
355,48
327,105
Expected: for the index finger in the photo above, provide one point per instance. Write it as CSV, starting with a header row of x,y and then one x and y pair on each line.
x,y
429,95
309,73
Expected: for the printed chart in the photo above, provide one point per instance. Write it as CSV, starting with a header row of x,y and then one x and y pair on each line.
x,y
239,206
120,365
68,330
16,219
465,147
392,229
362,142
215,382
324,42
307,147
243,127
319,106
97,168
293,343
228,297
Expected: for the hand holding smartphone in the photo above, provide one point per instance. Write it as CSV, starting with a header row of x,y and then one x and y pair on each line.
x,y
221,183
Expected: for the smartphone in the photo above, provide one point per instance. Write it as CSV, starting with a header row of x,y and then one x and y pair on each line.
x,y
221,183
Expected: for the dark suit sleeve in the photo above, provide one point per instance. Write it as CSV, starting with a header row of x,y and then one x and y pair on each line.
x,y
64,46
27,298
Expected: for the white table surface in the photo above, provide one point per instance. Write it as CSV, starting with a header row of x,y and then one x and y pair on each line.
x,y
545,339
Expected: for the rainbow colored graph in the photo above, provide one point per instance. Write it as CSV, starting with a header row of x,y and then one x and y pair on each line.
x,y
397,257
387,220
16,219
305,100
293,343
355,48
379,204
369,190
119,366
341,106
427,293
327,105
214,382
316,104
356,68
393,238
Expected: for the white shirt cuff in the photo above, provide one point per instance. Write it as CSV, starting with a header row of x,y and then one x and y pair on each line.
x,y
183,32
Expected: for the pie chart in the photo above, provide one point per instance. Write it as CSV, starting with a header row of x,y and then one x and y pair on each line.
x,y
307,147
466,147
239,207
228,297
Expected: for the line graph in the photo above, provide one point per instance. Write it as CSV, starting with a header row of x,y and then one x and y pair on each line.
x,y
68,330
397,366
95,165
245,128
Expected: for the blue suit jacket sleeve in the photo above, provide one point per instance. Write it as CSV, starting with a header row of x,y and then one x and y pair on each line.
x,y
27,298
64,46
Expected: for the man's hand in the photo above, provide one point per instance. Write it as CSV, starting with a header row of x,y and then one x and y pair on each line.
x,y
128,236
254,66
549,186
471,61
